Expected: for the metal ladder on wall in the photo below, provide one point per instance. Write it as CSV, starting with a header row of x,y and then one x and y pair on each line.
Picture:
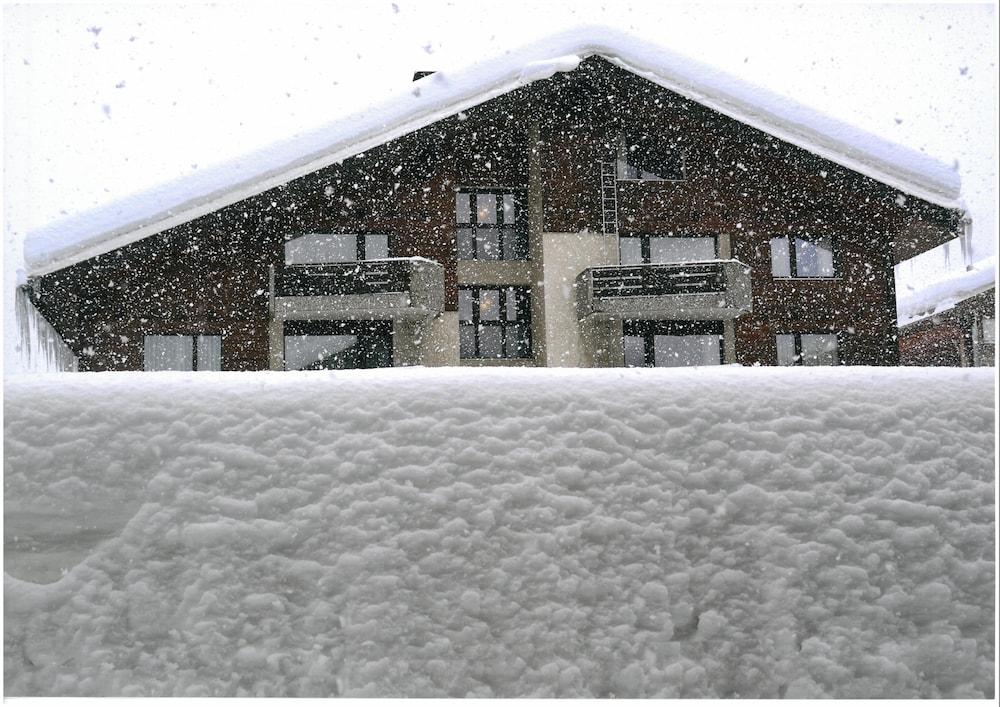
x,y
609,197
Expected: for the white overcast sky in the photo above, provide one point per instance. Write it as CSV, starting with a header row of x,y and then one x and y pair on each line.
x,y
102,101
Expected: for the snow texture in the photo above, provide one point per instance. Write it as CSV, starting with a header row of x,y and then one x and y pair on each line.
x,y
434,532
445,93
945,292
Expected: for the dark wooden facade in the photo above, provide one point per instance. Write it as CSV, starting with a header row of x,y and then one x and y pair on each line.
x,y
210,275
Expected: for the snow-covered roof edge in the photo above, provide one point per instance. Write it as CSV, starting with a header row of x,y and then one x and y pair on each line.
x,y
944,293
445,93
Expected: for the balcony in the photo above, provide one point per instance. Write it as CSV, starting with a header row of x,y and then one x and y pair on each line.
x,y
716,289
390,288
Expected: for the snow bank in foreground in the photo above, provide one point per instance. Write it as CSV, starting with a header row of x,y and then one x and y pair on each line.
x,y
750,532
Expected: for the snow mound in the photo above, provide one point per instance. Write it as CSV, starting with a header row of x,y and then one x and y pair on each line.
x,y
436,532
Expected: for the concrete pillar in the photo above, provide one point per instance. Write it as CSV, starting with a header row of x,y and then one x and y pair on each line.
x,y
728,341
440,340
276,344
406,343
536,223
725,246
566,256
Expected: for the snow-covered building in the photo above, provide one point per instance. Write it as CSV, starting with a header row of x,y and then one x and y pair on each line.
x,y
587,201
951,322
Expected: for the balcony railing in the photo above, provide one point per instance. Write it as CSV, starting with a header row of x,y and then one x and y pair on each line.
x,y
717,289
405,288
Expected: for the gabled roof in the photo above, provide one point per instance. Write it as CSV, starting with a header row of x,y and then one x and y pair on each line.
x,y
445,93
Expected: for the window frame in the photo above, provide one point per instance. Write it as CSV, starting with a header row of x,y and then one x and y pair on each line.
x,y
623,163
646,247
359,246
194,351
364,329
649,328
797,346
793,259
520,225
522,308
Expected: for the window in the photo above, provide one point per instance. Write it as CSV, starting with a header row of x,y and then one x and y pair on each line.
x,y
984,340
635,250
494,322
491,226
318,248
802,256
323,344
989,330
807,350
182,353
648,158
672,344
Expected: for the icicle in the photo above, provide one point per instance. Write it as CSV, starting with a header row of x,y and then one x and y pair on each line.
x,y
42,349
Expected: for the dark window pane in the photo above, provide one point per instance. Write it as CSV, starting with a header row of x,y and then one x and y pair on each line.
x,y
780,259
680,249
486,208
467,341
635,347
168,353
466,244
376,246
515,246
653,159
489,305
630,250
813,258
463,209
689,350
509,209
487,244
465,304
786,349
511,304
321,248
311,352
518,341
490,342
819,350
209,353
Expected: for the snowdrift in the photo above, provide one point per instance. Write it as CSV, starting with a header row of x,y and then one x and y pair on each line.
x,y
422,532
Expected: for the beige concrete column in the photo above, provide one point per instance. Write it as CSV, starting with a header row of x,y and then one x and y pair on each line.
x,y
406,343
728,341
439,340
566,256
536,222
276,344
725,246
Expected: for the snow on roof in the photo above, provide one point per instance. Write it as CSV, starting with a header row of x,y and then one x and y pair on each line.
x,y
445,93
944,293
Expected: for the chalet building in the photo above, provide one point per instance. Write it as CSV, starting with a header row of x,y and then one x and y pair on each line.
x,y
962,335
603,211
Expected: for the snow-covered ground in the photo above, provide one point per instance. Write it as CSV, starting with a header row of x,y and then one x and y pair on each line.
x,y
422,532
